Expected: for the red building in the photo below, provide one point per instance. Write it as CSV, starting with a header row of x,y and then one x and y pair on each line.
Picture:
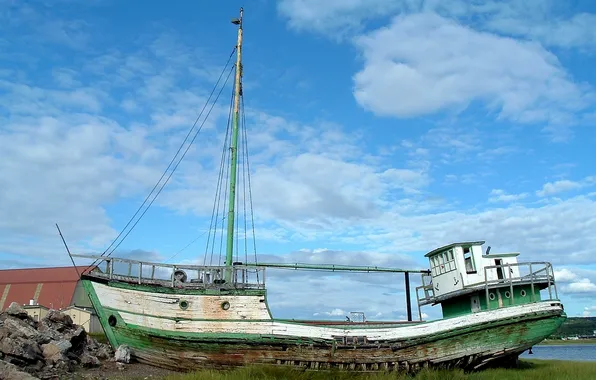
x,y
54,288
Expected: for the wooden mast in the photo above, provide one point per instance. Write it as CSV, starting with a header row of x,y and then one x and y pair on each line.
x,y
234,147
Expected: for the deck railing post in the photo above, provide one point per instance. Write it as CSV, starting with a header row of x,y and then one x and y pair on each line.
x,y
111,268
533,297
550,294
140,271
510,270
486,289
408,296
554,281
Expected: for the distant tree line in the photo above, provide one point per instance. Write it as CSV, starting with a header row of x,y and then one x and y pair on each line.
x,y
576,327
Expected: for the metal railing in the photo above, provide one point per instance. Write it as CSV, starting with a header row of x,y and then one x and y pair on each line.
x,y
534,274
175,275
533,277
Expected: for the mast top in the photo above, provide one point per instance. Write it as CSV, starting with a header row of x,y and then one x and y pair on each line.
x,y
238,21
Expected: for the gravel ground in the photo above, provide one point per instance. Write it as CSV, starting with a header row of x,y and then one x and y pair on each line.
x,y
112,370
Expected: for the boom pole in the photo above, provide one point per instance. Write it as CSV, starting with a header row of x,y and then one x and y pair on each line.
x,y
234,147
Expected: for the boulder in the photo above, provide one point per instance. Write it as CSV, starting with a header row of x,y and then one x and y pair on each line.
x,y
52,348
20,348
12,372
122,354
19,328
88,360
16,310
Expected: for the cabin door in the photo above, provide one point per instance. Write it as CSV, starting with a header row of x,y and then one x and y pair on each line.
x,y
499,270
475,304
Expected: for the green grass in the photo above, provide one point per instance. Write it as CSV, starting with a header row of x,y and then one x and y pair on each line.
x,y
100,337
529,370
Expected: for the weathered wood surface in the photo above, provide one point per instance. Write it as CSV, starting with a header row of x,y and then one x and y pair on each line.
x,y
204,334
466,348
205,314
168,305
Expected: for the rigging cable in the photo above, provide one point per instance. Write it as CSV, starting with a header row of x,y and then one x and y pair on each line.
x,y
254,240
217,200
176,166
186,246
173,159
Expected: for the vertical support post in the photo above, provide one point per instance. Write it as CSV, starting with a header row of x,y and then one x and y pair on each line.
x,y
140,271
486,290
548,277
554,281
234,151
511,284
533,297
408,296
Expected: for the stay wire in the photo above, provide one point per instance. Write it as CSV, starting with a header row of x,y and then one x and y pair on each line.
x,y
216,201
224,208
177,164
186,246
174,158
243,125
254,239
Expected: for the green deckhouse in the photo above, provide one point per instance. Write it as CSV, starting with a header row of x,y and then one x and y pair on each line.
x,y
463,280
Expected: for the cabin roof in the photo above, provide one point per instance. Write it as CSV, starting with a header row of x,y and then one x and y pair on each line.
x,y
445,247
497,255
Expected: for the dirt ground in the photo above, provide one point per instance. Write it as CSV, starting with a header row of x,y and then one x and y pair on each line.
x,y
112,370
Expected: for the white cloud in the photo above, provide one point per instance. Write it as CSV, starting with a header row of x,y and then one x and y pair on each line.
x,y
498,195
565,185
335,18
333,313
581,286
441,65
550,22
565,275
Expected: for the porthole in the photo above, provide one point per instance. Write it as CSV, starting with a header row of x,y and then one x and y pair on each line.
x,y
507,294
112,320
183,304
225,305
522,293
491,296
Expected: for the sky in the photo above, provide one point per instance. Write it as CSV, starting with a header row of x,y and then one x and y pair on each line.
x,y
378,130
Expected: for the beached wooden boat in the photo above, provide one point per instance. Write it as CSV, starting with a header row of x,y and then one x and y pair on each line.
x,y
190,316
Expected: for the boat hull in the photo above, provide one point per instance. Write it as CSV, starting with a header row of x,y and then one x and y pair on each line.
x,y
166,337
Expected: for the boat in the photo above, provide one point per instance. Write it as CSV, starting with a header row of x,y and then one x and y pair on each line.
x,y
185,317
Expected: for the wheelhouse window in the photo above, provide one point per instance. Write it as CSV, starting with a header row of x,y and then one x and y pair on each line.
x,y
469,260
442,263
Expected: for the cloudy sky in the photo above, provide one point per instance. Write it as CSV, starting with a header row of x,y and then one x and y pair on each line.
x,y
378,130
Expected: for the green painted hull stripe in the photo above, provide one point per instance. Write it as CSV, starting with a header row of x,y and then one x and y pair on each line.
x,y
101,313
260,337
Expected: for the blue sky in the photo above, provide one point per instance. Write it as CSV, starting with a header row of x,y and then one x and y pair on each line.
x,y
379,130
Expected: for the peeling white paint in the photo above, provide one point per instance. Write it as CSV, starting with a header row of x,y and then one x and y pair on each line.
x,y
158,311
168,305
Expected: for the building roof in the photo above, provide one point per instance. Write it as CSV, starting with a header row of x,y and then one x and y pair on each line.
x,y
51,287
448,246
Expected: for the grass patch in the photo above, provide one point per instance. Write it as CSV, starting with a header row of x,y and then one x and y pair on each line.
x,y
529,370
100,337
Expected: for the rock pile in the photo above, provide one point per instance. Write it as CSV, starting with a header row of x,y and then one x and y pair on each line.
x,y
49,348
